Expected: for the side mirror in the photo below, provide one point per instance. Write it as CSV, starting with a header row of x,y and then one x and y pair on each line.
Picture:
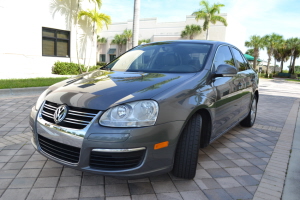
x,y
225,70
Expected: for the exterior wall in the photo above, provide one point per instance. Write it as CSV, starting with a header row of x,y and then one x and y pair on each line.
x,y
159,31
21,34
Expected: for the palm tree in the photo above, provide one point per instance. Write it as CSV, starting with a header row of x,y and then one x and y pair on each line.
x,y
209,14
271,42
191,30
97,20
293,44
256,43
102,40
281,53
119,40
128,35
144,41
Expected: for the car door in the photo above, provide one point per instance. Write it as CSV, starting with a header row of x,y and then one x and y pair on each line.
x,y
247,76
228,91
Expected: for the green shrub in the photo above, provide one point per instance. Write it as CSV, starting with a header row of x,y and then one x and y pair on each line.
x,y
261,75
66,68
92,68
101,63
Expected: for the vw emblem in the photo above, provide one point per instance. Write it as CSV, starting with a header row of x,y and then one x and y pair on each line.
x,y
60,113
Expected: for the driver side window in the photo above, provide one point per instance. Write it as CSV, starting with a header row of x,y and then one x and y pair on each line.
x,y
223,56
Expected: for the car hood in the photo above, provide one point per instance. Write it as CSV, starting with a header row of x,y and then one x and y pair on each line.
x,y
103,89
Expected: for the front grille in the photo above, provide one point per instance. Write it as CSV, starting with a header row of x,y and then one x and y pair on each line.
x,y
62,151
116,161
77,118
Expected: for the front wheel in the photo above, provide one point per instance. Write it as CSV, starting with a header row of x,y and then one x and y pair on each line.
x,y
186,156
250,119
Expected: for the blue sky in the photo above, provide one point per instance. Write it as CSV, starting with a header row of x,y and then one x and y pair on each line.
x,y
245,17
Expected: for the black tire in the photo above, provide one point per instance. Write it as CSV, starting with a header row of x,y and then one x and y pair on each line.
x,y
186,156
250,119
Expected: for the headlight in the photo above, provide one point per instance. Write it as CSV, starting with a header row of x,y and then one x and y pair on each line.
x,y
135,114
41,99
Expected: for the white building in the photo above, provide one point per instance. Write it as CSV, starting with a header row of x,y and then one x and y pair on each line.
x,y
37,33
155,31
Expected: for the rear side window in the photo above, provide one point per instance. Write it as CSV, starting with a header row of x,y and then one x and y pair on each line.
x,y
223,56
242,64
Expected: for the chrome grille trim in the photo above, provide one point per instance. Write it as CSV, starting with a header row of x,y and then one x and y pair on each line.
x,y
50,107
76,118
71,113
73,122
92,114
83,122
47,114
120,150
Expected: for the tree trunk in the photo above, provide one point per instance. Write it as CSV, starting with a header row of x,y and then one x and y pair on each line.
x,y
136,18
206,33
254,62
281,66
274,65
269,60
293,64
291,70
77,49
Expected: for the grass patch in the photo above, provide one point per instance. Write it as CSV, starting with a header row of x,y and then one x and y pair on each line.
x,y
292,80
29,82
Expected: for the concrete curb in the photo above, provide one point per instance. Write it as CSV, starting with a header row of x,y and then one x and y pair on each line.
x,y
272,182
292,182
14,92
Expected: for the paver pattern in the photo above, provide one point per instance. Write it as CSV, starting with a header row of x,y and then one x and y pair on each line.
x,y
232,167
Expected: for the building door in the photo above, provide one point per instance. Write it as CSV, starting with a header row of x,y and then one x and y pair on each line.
x,y
112,57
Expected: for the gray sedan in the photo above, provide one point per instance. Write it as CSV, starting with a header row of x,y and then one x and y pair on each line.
x,y
148,111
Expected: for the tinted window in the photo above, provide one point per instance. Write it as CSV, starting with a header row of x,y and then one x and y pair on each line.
x,y
163,57
223,56
55,42
242,64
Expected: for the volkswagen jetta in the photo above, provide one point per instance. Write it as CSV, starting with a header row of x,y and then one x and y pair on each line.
x,y
148,111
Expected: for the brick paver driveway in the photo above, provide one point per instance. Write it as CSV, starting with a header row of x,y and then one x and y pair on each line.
x,y
230,168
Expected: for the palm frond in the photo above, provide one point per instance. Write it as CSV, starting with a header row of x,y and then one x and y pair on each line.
x,y
218,18
205,5
97,2
96,17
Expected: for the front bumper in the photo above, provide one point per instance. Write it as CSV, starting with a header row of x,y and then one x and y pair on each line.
x,y
98,138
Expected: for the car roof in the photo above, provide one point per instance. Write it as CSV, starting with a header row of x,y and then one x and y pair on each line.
x,y
194,41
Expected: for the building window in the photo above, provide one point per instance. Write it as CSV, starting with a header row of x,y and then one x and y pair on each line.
x,y
102,58
56,42
111,57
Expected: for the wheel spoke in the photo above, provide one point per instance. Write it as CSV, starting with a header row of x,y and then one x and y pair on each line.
x,y
253,110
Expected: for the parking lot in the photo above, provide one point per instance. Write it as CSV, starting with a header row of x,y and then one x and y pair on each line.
x,y
245,163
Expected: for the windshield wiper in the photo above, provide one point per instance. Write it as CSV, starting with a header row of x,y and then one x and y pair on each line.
x,y
105,68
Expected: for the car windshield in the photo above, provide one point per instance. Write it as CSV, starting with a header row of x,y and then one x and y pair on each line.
x,y
163,57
